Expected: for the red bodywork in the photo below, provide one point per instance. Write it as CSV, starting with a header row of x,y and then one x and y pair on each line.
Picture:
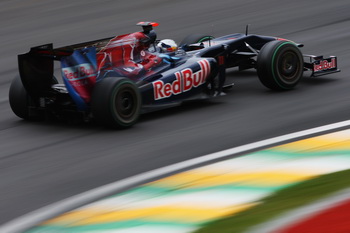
x,y
128,55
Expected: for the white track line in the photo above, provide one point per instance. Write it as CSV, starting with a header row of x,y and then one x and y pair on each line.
x,y
31,219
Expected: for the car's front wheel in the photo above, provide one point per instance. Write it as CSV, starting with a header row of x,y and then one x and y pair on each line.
x,y
280,65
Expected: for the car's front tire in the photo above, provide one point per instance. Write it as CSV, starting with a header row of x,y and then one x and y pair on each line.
x,y
280,65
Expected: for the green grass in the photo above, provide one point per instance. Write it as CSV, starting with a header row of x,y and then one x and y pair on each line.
x,y
280,202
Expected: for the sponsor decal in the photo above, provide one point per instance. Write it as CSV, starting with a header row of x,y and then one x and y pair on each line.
x,y
79,75
79,72
185,80
326,64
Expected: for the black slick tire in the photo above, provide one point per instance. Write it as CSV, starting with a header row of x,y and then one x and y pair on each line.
x,y
19,99
280,65
116,102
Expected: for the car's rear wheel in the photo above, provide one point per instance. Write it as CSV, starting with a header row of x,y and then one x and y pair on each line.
x,y
19,99
280,65
116,102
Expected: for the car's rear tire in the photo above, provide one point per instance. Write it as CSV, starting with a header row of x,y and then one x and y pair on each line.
x,y
19,99
195,38
280,65
116,102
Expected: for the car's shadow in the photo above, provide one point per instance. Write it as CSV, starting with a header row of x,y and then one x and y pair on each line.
x,y
181,109
246,79
55,124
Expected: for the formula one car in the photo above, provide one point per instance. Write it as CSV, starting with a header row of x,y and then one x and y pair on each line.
x,y
114,80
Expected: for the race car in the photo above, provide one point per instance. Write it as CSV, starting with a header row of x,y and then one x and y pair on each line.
x,y
114,80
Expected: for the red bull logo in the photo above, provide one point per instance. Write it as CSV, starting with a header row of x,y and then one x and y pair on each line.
x,y
79,72
82,78
185,80
325,65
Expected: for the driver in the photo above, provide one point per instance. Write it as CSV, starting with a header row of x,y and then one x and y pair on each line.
x,y
167,46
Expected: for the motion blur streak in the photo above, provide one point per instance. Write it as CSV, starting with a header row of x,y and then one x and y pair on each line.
x,y
189,200
42,163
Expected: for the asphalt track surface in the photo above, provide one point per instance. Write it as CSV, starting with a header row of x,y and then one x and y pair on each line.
x,y
41,163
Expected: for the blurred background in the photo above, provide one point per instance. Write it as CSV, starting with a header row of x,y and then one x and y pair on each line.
x,y
41,163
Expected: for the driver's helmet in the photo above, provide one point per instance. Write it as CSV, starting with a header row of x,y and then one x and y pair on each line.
x,y
167,45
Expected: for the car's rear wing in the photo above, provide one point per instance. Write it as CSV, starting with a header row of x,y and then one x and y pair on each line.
x,y
47,50
319,65
36,67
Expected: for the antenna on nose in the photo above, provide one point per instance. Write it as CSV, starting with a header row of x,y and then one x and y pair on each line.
x,y
246,29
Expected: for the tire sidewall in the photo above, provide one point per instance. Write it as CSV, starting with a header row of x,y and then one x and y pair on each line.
x,y
119,87
276,60
19,98
103,102
269,61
